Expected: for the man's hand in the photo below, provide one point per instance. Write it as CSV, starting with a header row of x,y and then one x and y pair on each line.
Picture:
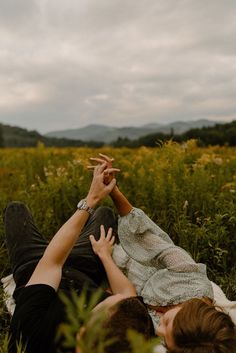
x,y
98,190
118,282
103,246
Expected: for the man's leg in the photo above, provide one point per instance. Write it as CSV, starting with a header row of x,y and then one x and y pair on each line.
x,y
82,256
24,243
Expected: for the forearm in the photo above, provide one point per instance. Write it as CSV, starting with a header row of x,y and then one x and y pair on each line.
x,y
121,203
64,240
49,268
118,282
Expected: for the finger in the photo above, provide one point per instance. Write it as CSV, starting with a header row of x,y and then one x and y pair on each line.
x,y
98,160
109,234
111,185
102,232
108,159
111,170
102,167
90,167
92,239
112,241
99,169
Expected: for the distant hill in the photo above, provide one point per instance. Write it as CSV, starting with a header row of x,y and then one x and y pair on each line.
x,y
13,136
109,134
98,135
219,134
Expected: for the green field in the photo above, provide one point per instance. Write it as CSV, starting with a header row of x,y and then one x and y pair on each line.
x,y
190,192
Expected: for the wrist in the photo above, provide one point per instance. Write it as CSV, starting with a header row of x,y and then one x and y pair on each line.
x,y
114,191
91,201
103,256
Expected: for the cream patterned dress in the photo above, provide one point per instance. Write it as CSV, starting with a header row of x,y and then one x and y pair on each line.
x,y
163,273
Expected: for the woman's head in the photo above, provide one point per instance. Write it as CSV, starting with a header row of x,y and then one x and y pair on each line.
x,y
197,327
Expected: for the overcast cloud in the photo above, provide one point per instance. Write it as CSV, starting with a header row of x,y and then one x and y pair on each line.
x,y
70,63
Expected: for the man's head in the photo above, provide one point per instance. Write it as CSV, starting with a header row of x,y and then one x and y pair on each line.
x,y
129,313
197,327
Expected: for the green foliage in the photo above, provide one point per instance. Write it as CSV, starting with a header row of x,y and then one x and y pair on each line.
x,y
20,348
79,314
138,342
1,137
85,328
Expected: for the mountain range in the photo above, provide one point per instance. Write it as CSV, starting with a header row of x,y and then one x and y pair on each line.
x,y
107,134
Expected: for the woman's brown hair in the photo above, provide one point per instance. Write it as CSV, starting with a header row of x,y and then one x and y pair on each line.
x,y
200,328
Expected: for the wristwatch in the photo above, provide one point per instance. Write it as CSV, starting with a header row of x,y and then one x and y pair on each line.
x,y
82,205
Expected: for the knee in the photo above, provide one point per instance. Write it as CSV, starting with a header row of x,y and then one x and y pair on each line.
x,y
15,206
105,215
104,212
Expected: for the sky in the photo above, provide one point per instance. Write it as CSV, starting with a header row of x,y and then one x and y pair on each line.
x,y
66,64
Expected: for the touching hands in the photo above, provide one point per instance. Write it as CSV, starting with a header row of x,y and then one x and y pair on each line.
x,y
109,172
98,189
103,246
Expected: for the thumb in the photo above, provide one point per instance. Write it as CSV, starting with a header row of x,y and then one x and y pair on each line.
x,y
111,185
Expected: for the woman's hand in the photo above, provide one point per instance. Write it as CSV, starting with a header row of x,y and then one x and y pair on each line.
x,y
103,246
109,175
98,190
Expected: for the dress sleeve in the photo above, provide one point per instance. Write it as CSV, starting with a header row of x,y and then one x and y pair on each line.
x,y
148,244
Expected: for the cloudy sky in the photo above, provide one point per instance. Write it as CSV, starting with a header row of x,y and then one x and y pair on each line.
x,y
70,63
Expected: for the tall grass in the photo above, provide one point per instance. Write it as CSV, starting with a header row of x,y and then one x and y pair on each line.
x,y
190,192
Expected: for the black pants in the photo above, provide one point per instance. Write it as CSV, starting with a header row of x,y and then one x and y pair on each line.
x,y
26,246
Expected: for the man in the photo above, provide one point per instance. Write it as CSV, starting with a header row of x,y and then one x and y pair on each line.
x,y
39,270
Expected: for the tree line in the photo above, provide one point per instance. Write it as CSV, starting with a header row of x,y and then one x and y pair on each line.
x,y
220,134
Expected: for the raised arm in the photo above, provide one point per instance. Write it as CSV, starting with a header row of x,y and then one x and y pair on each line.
x,y
49,269
121,203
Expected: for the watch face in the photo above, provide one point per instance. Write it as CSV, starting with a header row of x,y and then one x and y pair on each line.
x,y
82,204
79,204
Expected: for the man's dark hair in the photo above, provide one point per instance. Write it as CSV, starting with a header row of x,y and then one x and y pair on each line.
x,y
130,313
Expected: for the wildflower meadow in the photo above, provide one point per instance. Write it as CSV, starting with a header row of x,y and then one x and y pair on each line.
x,y
188,191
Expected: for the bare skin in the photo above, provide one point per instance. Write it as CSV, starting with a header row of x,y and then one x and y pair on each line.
x,y
49,269
165,327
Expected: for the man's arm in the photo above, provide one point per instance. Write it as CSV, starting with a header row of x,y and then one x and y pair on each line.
x,y
49,269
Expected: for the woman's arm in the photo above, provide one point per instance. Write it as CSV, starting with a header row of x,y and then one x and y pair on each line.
x,y
118,282
141,238
49,269
121,203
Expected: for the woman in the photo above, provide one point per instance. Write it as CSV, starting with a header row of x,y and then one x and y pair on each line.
x,y
68,261
174,287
